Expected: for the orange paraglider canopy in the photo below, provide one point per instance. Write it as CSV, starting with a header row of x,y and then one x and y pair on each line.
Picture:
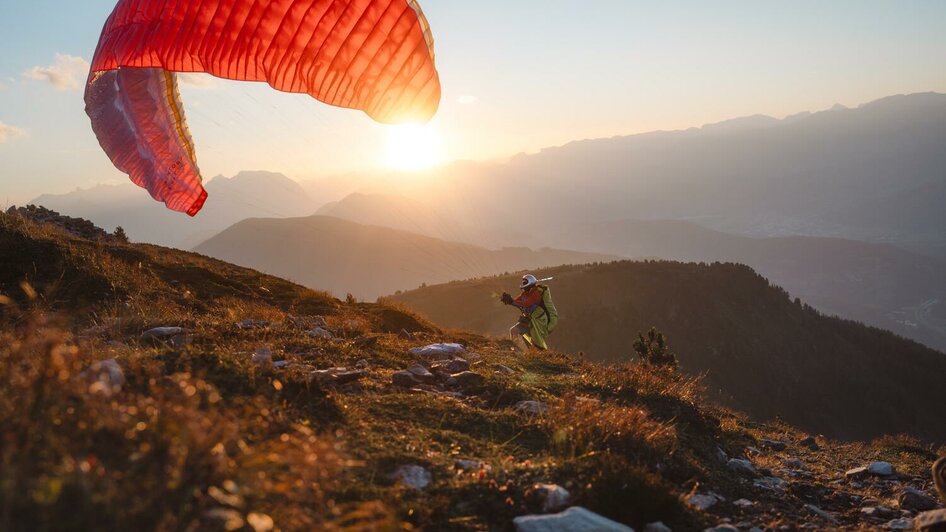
x,y
373,55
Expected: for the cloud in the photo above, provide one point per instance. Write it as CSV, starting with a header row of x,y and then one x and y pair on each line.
x,y
196,80
66,74
467,99
8,132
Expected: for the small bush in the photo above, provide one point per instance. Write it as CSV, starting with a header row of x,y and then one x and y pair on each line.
x,y
653,350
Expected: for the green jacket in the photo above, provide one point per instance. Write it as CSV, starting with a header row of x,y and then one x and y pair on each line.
x,y
542,323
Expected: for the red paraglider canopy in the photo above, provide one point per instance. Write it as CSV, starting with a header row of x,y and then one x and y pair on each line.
x,y
373,55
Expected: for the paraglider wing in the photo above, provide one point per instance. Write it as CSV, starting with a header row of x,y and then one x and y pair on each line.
x,y
372,55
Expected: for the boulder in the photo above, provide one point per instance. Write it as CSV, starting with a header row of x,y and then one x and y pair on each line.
x,y
916,500
657,526
457,365
934,520
532,408
575,519
465,378
412,476
741,466
551,497
880,469
319,332
435,352
702,501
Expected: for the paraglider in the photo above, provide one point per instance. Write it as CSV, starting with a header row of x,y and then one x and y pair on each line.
x,y
372,55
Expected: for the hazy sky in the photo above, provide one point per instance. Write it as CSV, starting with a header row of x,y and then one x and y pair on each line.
x,y
517,76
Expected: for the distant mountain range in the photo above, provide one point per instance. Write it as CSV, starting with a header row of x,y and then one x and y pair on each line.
x,y
367,261
245,195
761,351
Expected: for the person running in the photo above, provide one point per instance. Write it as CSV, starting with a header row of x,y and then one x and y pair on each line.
x,y
538,314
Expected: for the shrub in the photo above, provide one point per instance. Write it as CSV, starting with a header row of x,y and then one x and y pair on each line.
x,y
653,350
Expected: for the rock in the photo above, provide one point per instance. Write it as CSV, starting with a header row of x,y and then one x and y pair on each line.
x,y
880,469
551,497
404,379
899,524
363,363
421,373
743,503
773,445
657,526
770,483
753,451
472,465
724,527
702,501
821,513
465,378
405,334
575,519
741,466
931,521
252,324
280,364
412,476
879,512
435,352
173,336
365,342
338,375
319,332
856,473
916,500
793,463
532,408
721,455
810,442
262,357
506,370
104,377
457,365
224,519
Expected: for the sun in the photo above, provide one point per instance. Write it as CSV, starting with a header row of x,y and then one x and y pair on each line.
x,y
414,147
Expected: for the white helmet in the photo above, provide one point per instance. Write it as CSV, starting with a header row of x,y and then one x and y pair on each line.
x,y
527,281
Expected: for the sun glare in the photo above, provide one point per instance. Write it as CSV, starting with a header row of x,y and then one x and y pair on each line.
x,y
414,147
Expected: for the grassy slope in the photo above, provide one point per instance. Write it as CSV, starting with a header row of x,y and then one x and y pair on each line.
x,y
764,353
201,435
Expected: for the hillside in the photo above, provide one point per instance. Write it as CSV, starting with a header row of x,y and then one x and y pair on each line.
x,y
879,284
367,261
761,352
108,428
230,199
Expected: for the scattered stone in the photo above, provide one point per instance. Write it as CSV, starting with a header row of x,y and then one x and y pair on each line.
x,y
104,377
702,501
158,336
916,500
879,512
741,466
338,375
499,368
754,451
770,483
903,523
551,497
435,352
252,324
363,363
821,513
319,332
451,367
723,527
934,520
880,469
412,476
404,379
810,442
574,519
793,463
421,373
465,378
743,503
472,465
532,408
367,341
280,364
857,473
657,526
262,357
773,445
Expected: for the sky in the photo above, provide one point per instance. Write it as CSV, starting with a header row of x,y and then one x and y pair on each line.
x,y
517,77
